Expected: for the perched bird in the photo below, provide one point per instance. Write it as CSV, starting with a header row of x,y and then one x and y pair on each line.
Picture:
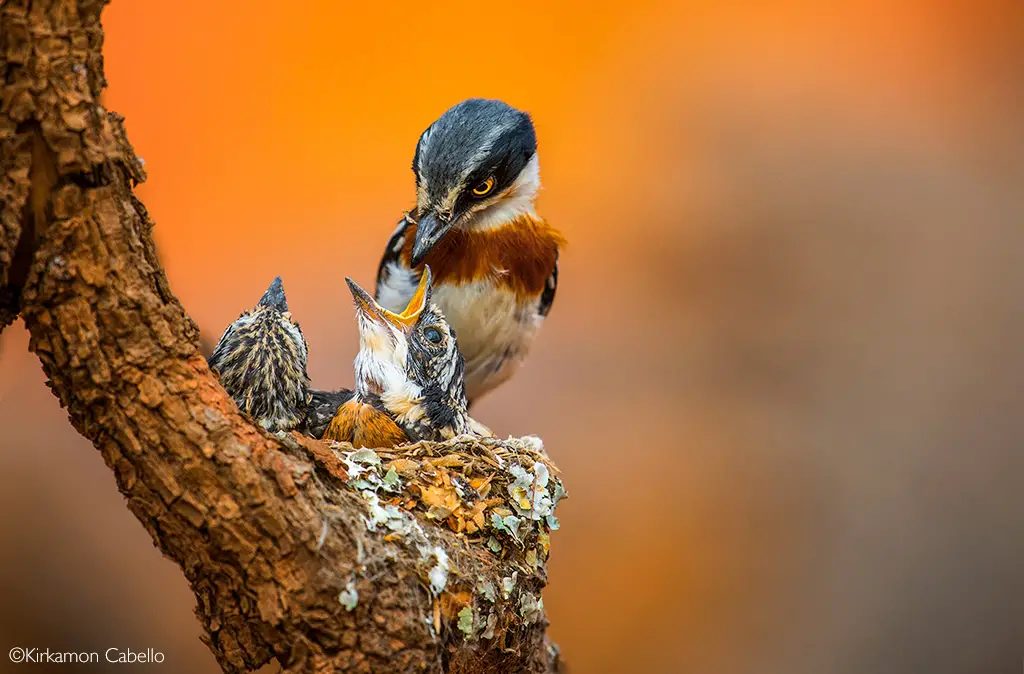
x,y
410,382
261,360
495,262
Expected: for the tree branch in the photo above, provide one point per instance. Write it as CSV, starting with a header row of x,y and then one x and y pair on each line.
x,y
264,528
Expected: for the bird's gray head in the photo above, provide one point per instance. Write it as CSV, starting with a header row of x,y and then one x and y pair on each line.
x,y
475,167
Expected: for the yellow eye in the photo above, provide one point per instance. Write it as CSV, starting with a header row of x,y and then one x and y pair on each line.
x,y
483,187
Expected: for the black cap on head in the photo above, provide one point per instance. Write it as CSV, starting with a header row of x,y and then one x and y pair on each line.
x,y
474,140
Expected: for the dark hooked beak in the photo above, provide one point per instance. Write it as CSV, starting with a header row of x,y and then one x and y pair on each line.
x,y
274,297
429,230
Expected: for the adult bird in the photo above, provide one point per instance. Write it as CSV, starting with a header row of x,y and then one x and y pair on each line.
x,y
494,261
410,382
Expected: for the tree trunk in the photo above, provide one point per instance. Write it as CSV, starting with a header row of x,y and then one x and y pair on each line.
x,y
264,528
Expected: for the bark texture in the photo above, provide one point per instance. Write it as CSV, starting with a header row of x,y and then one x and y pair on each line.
x,y
260,529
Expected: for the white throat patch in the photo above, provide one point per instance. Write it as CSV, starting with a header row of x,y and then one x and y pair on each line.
x,y
380,363
518,200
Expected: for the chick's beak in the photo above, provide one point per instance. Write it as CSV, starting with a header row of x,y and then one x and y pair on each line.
x,y
274,297
375,314
366,306
429,230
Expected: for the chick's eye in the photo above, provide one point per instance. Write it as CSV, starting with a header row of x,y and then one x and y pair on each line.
x,y
483,187
432,335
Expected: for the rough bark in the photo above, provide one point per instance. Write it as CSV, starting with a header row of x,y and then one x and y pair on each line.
x,y
264,539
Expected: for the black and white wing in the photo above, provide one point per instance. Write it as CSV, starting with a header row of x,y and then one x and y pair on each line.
x,y
547,296
396,280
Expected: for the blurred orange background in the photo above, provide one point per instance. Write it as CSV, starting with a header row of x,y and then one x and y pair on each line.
x,y
783,374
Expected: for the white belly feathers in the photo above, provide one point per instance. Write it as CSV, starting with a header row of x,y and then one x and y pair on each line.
x,y
493,329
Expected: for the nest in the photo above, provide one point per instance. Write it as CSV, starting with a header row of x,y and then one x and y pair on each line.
x,y
499,493
496,496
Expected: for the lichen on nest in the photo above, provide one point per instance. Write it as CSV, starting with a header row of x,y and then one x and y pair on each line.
x,y
498,496
498,493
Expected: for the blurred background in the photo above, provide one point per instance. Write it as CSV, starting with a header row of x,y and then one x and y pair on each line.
x,y
783,376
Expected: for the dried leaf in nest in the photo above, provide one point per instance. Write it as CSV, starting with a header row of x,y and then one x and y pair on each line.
x,y
404,467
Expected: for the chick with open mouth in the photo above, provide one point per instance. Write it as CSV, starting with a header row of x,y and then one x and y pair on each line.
x,y
410,376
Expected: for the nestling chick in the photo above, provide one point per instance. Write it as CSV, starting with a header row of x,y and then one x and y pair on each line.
x,y
261,360
410,382
495,261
